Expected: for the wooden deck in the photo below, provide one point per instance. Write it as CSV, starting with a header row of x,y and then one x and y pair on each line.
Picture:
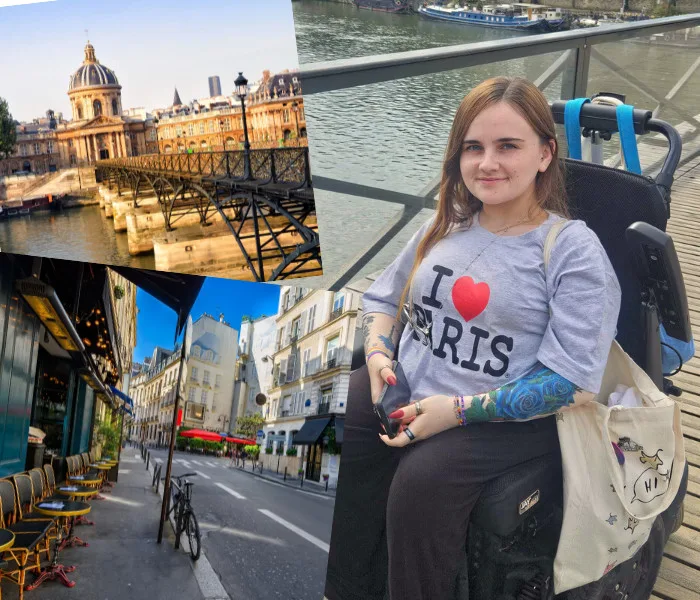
x,y
679,578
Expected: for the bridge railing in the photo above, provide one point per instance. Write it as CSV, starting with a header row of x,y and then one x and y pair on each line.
x,y
580,62
271,166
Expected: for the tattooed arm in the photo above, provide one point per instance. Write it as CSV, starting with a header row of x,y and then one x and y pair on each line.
x,y
538,393
381,333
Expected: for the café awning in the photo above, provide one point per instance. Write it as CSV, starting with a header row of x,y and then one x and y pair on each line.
x,y
176,290
311,431
209,436
237,440
127,400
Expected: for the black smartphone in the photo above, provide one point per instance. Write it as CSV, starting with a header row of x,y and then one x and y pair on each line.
x,y
392,398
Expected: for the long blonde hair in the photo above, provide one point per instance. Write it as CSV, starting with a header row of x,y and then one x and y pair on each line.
x,y
456,205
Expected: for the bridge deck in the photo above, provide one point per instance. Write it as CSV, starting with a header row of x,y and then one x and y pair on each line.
x,y
679,578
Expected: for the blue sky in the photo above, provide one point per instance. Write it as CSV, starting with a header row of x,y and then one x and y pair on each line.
x,y
155,323
152,46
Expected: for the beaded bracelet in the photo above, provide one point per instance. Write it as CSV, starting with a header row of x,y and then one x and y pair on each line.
x,y
459,410
372,352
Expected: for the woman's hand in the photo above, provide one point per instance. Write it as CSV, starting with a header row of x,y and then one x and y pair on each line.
x,y
380,372
437,414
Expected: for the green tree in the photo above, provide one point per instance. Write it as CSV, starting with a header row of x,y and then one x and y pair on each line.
x,y
8,130
248,426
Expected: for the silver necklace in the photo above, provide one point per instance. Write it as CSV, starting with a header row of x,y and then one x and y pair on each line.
x,y
424,333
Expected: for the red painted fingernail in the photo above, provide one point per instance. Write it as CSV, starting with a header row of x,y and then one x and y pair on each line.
x,y
391,380
397,414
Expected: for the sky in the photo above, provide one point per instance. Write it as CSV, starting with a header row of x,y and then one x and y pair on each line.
x,y
152,46
155,323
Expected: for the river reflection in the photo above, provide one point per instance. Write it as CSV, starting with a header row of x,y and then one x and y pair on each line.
x,y
83,234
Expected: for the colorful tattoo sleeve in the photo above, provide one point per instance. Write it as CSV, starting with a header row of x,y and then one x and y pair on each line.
x,y
540,392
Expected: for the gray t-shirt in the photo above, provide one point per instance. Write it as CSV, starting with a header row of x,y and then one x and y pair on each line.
x,y
490,319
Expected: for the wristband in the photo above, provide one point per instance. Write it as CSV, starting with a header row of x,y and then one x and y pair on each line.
x,y
373,352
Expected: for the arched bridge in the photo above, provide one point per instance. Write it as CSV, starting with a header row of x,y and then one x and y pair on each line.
x,y
265,198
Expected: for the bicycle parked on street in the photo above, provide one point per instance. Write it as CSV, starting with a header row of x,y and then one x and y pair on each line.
x,y
183,515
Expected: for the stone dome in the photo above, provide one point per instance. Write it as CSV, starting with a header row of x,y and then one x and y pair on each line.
x,y
91,73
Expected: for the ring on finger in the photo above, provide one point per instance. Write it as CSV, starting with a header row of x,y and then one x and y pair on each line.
x,y
419,408
411,436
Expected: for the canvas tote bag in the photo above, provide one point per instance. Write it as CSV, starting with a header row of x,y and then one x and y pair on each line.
x,y
609,508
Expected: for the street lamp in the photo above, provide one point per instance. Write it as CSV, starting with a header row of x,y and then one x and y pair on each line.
x,y
156,120
221,129
241,84
295,110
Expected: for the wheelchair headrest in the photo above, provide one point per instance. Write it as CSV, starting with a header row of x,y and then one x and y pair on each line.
x,y
609,201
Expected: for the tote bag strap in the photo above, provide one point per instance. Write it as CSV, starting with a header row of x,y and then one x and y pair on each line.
x,y
549,241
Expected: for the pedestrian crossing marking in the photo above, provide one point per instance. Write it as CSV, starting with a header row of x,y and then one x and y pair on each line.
x,y
211,464
203,475
307,536
230,491
196,462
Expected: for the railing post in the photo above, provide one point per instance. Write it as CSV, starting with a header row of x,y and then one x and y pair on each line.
x,y
228,167
273,170
574,81
307,167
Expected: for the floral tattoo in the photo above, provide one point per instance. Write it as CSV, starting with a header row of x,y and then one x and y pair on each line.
x,y
540,392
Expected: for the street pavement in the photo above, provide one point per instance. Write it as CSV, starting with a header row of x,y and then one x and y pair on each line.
x,y
263,539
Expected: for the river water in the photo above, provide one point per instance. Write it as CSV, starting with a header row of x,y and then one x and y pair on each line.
x,y
392,134
83,234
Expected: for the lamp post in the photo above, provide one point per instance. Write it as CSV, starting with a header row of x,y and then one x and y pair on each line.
x,y
155,123
295,110
221,129
241,84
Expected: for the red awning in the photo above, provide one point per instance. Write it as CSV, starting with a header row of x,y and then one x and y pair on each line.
x,y
202,435
236,440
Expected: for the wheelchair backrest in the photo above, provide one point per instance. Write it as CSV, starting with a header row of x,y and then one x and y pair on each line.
x,y
609,201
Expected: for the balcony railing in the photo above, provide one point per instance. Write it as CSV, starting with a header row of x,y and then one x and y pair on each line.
x,y
580,64
324,408
336,313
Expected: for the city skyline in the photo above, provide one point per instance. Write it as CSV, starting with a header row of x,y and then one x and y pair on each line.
x,y
177,30
155,323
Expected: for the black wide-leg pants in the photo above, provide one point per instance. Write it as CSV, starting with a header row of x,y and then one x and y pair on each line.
x,y
401,515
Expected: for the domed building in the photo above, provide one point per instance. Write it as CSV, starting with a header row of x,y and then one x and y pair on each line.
x,y
93,89
99,129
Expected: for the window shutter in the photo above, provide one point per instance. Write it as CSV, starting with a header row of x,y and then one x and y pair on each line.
x,y
302,324
283,370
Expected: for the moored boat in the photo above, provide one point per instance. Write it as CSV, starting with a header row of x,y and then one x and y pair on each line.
x,y
521,16
392,6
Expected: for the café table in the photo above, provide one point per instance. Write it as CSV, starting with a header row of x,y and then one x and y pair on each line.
x,y
7,539
89,481
76,492
63,509
103,468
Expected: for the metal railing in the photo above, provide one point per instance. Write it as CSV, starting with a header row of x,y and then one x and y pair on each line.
x,y
272,165
577,48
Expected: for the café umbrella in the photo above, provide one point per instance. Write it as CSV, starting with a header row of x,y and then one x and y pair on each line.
x,y
209,436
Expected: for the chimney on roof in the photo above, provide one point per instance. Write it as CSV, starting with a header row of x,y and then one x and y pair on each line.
x,y
221,317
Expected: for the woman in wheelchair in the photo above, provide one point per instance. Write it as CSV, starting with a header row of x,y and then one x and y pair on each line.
x,y
490,347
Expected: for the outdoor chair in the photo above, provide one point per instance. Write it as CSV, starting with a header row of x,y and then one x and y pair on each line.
x,y
50,479
25,501
30,540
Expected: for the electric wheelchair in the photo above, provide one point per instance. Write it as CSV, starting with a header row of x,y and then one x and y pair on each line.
x,y
514,528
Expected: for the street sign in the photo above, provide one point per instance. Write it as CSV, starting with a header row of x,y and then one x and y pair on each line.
x,y
260,433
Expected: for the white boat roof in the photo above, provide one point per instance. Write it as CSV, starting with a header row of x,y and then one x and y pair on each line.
x,y
529,5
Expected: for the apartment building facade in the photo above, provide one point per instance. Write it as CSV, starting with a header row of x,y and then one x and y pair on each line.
x,y
256,345
315,334
208,375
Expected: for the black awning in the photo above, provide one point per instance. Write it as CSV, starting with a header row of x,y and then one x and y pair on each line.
x,y
339,429
311,431
176,290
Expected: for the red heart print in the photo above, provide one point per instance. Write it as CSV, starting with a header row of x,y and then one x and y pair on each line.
x,y
469,298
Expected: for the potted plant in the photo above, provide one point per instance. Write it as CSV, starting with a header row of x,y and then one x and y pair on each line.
x,y
292,451
300,472
326,476
268,450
